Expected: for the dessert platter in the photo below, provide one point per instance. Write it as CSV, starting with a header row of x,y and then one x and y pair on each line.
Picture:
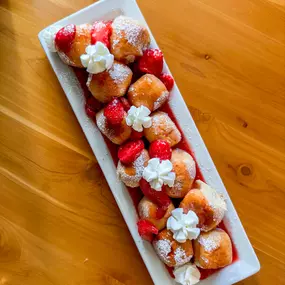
x,y
148,147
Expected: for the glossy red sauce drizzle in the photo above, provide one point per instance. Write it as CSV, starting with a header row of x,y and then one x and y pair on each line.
x,y
82,76
135,193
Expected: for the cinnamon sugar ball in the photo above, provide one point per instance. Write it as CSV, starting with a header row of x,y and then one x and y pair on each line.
x,y
148,91
170,251
185,169
207,203
117,135
110,83
81,40
213,250
132,174
128,39
147,211
162,128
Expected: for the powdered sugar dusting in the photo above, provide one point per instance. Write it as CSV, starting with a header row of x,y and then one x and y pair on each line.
x,y
181,157
83,29
162,248
219,208
191,168
144,209
103,126
210,241
189,164
138,165
215,200
161,100
119,72
180,256
68,29
162,121
129,29
164,128
66,59
205,259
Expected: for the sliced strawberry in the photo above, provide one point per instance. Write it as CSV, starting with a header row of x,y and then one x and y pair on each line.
x,y
146,230
101,32
151,62
136,135
130,151
114,112
167,80
93,103
64,38
90,112
160,149
125,103
160,198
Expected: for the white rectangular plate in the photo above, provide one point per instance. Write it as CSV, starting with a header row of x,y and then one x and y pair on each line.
x,y
247,263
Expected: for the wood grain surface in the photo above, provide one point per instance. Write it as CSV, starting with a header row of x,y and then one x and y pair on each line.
x,y
59,224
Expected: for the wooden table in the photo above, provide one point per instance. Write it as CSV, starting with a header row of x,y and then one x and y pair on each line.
x,y
59,223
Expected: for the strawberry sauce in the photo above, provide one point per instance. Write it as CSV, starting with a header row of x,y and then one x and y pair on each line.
x,y
135,193
183,144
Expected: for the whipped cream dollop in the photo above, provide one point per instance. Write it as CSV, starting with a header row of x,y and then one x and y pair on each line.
x,y
49,37
183,226
97,58
138,118
159,173
187,274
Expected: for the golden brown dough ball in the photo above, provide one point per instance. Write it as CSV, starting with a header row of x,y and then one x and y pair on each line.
x,y
170,251
148,91
111,83
162,128
147,211
132,174
78,45
213,250
128,39
184,167
207,203
117,135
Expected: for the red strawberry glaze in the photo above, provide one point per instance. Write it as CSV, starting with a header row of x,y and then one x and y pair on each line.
x,y
167,80
125,103
65,37
160,198
136,135
90,112
170,271
135,193
183,144
93,104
